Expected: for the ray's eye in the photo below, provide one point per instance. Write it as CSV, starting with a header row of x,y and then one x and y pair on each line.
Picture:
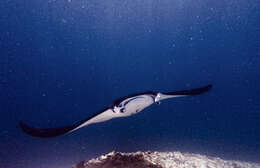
x,y
122,110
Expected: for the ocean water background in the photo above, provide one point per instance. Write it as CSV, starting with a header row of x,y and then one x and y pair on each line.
x,y
62,61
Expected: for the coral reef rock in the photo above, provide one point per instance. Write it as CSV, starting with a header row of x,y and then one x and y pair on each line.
x,y
160,160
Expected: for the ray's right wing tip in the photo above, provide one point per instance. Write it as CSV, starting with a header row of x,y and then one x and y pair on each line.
x,y
199,90
208,87
191,92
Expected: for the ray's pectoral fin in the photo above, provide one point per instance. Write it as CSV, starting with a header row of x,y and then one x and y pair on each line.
x,y
197,91
44,132
102,116
191,92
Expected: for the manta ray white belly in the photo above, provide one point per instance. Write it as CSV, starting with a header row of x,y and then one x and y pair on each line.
x,y
138,104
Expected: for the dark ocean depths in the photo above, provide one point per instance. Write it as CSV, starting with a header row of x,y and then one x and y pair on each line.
x,y
62,61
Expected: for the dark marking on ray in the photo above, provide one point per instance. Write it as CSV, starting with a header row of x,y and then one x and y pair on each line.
x,y
131,100
118,101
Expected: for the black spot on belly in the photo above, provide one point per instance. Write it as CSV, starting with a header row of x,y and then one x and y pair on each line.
x,y
122,110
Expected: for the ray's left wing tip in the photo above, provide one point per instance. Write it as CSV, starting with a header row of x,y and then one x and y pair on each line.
x,y
27,129
43,132
22,126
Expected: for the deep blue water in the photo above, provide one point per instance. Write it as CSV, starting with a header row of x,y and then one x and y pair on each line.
x,y
62,61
